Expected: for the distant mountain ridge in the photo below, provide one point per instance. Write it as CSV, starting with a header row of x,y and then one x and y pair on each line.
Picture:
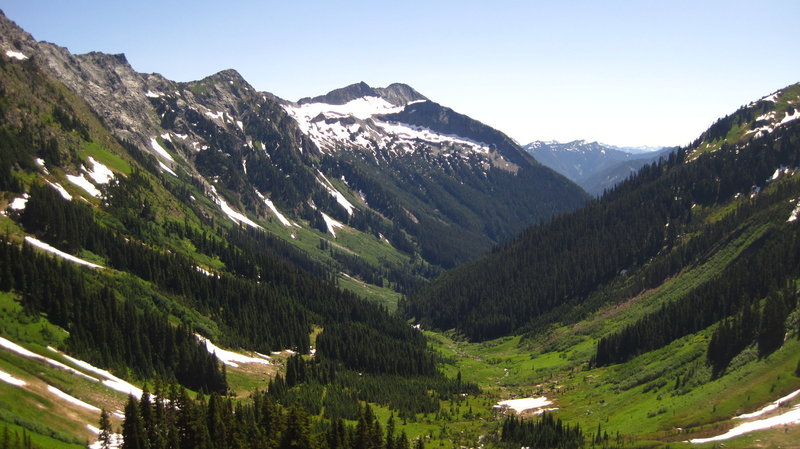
x,y
594,166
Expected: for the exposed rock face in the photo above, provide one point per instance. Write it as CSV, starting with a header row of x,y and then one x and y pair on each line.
x,y
445,184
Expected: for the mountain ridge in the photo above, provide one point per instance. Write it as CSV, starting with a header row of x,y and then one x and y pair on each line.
x,y
595,166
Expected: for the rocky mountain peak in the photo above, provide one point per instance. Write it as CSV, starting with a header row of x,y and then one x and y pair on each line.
x,y
343,95
399,94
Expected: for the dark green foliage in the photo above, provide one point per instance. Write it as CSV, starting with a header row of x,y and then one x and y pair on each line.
x,y
267,307
106,331
640,227
368,349
454,209
732,336
174,420
13,440
752,277
546,432
344,388
772,328
133,431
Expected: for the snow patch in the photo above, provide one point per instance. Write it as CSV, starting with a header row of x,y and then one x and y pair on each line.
x,y
72,399
61,190
219,115
361,108
115,439
773,98
167,169
772,406
151,94
159,149
84,183
19,203
335,193
520,405
230,358
111,381
794,215
42,245
9,379
16,55
240,124
233,215
99,172
411,132
284,221
11,346
789,117
790,417
331,224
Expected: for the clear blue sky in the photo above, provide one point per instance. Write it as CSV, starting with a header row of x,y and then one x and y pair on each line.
x,y
621,72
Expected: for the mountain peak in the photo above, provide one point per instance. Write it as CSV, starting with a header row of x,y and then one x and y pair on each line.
x,y
343,94
397,94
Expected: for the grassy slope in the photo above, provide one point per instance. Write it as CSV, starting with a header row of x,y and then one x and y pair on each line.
x,y
667,395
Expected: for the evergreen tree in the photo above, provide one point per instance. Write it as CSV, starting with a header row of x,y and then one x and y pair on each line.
x,y
105,430
133,432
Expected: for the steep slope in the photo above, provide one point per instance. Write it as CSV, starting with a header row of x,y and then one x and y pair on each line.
x,y
594,166
453,184
666,310
647,227
123,255
452,189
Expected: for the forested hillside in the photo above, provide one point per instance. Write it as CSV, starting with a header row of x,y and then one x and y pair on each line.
x,y
648,228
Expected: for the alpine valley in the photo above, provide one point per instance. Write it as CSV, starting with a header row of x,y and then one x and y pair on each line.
x,y
203,265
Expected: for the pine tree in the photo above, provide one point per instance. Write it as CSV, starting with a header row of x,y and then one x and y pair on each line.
x,y
105,430
133,433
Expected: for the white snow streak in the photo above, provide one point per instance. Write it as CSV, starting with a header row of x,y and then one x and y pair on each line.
x,y
42,245
151,94
11,346
84,183
9,379
412,132
159,149
335,193
795,213
230,358
167,169
111,381
772,406
790,417
61,190
331,223
284,221
16,55
71,399
233,215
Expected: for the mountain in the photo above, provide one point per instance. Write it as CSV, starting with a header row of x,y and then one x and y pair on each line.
x,y
148,224
675,295
386,162
455,185
213,266
594,166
